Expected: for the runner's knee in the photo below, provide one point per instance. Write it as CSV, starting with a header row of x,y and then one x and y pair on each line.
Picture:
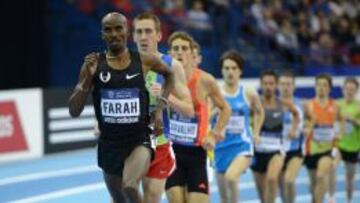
x,y
130,182
232,178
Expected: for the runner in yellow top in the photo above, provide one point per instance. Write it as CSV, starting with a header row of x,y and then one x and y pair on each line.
x,y
323,113
349,145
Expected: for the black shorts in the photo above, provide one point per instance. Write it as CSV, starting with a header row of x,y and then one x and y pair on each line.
x,y
261,161
290,155
311,161
190,169
112,156
350,157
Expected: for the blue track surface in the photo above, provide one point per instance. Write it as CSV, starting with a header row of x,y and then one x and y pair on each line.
x,y
73,177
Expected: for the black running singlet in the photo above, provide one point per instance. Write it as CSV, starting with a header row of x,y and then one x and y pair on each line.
x,y
121,100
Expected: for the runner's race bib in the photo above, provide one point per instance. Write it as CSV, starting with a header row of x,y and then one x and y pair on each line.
x,y
235,125
349,127
120,106
324,133
183,130
270,141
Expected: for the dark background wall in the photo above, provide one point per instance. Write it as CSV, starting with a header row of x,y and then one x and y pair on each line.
x,y
23,61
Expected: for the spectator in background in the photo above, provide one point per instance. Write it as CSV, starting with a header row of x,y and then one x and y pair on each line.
x,y
198,22
279,11
303,35
256,10
287,40
286,37
319,23
267,25
219,10
342,32
322,51
351,8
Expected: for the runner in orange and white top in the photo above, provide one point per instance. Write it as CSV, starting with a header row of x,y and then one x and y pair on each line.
x,y
320,136
189,182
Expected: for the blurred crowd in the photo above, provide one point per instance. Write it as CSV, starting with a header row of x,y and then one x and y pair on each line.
x,y
302,33
326,30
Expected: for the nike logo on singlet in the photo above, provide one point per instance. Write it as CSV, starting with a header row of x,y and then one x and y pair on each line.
x,y
129,77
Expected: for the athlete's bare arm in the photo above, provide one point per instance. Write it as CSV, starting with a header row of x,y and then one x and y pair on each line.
x,y
78,98
355,120
295,117
258,113
341,121
309,118
180,97
213,92
154,63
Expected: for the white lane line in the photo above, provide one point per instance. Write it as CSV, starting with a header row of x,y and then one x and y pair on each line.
x,y
307,197
49,174
62,193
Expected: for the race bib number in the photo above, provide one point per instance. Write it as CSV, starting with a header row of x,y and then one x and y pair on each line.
x,y
270,141
120,106
324,133
183,130
349,127
235,125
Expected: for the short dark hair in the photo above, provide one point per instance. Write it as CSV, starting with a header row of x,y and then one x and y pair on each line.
x,y
233,55
181,35
287,73
325,76
352,80
149,16
269,72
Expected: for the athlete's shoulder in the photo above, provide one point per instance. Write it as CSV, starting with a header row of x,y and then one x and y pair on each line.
x,y
249,89
205,76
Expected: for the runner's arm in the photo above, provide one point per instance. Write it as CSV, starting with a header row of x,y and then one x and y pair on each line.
x,y
258,112
78,97
180,97
154,63
341,121
295,117
218,100
309,119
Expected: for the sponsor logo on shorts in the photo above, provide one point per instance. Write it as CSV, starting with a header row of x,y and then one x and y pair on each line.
x,y
202,186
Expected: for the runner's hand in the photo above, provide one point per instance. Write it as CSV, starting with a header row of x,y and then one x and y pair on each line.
x,y
257,139
91,62
209,142
217,136
156,121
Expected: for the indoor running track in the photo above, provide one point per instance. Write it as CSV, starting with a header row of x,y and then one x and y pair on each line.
x,y
73,177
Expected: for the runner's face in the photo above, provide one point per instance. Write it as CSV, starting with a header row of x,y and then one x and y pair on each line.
x,y
180,49
349,91
146,36
322,87
268,85
286,86
114,33
230,71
